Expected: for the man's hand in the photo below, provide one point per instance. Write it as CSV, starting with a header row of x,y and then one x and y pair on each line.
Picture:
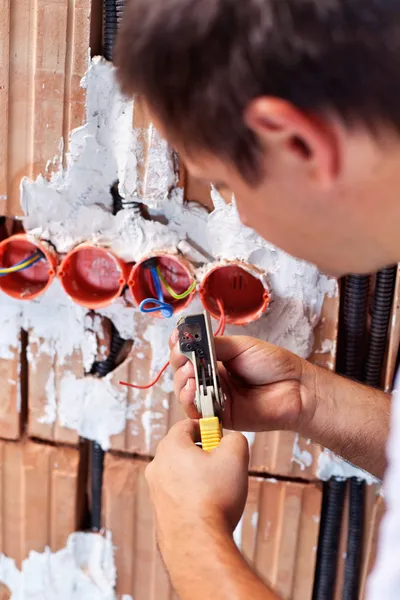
x,y
265,385
269,388
199,498
192,488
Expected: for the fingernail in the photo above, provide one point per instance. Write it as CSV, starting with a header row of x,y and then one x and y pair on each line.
x,y
174,337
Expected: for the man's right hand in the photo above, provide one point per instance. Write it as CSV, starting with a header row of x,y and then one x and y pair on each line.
x,y
267,387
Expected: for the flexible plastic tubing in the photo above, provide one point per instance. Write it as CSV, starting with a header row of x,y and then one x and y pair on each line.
x,y
381,311
351,584
110,27
97,470
355,307
355,312
329,537
101,369
120,203
104,367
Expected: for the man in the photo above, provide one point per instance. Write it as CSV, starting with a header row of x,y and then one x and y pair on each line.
x,y
293,104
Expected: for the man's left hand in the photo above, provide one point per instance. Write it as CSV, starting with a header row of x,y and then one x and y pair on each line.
x,y
191,488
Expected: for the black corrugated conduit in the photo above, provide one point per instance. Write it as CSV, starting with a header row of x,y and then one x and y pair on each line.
x,y
355,534
110,28
329,539
96,485
355,315
120,203
354,332
112,11
380,317
355,307
101,369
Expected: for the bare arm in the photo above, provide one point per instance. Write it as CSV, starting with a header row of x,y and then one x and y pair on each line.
x,y
205,563
198,500
347,417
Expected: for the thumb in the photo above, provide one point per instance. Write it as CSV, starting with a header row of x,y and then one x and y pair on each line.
x,y
234,444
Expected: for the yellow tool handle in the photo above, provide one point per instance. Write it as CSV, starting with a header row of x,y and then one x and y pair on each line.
x,y
211,433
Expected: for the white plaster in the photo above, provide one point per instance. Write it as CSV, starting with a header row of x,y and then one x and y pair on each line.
x,y
50,415
330,465
95,408
302,457
83,570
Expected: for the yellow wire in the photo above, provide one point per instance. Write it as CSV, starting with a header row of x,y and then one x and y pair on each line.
x,y
20,266
171,291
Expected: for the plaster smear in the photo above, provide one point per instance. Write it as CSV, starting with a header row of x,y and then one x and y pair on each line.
x,y
95,408
83,570
330,465
302,457
52,320
76,205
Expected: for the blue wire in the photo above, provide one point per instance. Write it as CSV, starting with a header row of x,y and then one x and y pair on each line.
x,y
40,256
157,304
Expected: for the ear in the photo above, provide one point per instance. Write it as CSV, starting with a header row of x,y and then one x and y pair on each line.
x,y
307,139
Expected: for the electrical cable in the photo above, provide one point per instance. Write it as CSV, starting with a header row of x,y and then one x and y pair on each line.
x,y
329,537
380,317
150,305
351,583
219,331
147,386
156,304
176,296
222,322
22,265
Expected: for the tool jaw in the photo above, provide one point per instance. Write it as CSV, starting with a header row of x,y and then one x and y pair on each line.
x,y
196,341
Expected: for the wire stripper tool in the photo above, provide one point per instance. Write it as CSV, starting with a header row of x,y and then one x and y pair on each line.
x,y
196,341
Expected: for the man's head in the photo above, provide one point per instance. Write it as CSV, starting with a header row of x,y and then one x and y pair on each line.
x,y
293,104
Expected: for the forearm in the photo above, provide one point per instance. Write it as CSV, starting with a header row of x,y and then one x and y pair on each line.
x,y
205,563
350,419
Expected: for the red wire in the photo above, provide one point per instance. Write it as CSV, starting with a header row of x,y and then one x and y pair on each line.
x,y
222,321
219,331
148,385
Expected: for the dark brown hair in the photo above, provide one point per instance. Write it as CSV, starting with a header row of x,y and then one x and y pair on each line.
x,y
200,62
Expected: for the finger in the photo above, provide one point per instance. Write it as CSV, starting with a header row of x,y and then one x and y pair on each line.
x,y
230,347
181,376
177,359
236,352
186,398
173,338
184,433
234,444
